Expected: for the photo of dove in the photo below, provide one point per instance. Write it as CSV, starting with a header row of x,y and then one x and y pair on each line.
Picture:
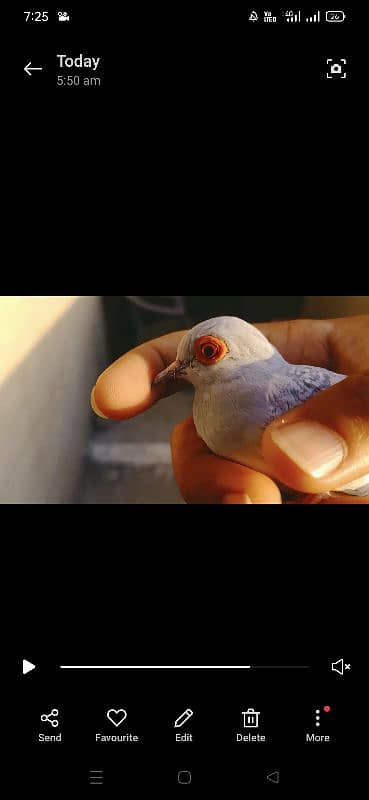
x,y
242,384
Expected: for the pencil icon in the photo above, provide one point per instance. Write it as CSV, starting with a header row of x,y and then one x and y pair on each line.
x,y
183,718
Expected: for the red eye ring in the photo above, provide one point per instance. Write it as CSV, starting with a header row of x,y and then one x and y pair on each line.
x,y
209,350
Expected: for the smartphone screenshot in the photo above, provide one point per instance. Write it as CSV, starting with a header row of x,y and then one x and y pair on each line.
x,y
138,114
258,729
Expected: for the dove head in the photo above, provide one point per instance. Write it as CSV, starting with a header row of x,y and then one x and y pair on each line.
x,y
214,350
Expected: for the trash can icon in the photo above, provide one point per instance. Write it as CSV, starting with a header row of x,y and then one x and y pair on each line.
x,y
251,718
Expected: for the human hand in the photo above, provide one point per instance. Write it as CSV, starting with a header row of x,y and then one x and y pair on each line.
x,y
125,390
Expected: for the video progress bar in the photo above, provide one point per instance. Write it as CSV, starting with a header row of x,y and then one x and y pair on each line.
x,y
67,666
249,666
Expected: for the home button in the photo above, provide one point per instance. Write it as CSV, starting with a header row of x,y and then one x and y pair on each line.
x,y
184,777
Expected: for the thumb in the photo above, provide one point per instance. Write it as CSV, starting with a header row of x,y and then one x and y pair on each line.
x,y
322,445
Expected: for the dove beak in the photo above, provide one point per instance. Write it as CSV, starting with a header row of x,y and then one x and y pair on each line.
x,y
177,369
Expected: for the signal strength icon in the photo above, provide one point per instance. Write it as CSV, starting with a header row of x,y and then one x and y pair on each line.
x,y
314,17
292,17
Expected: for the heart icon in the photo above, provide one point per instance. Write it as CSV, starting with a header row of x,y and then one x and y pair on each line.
x,y
117,716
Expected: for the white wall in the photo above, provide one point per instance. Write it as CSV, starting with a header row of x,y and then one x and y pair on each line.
x,y
51,350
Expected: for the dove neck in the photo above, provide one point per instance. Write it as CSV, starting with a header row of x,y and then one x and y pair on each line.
x,y
261,366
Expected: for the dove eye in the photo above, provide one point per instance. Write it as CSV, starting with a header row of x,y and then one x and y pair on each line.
x,y
210,350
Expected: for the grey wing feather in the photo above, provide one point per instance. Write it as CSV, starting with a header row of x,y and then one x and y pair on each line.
x,y
292,387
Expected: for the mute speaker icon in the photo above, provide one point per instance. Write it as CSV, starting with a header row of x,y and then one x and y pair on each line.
x,y
338,666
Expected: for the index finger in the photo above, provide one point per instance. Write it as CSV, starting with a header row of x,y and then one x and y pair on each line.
x,y
125,388
301,341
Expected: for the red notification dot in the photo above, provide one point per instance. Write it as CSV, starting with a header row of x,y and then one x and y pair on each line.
x,y
327,709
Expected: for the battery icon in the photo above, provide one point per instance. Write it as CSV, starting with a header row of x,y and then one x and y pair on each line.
x,y
335,16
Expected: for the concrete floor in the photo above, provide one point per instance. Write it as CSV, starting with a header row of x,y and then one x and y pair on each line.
x,y
130,462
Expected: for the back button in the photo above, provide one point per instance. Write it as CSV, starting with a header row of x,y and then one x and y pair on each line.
x,y
273,777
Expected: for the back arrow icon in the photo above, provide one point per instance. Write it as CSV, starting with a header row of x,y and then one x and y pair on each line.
x,y
273,777
28,69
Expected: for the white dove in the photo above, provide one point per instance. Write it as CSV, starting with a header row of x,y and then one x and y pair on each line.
x,y
242,383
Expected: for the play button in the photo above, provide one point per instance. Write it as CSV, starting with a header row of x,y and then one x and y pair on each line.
x,y
273,777
27,666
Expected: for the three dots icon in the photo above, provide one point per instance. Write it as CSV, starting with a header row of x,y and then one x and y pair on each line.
x,y
318,713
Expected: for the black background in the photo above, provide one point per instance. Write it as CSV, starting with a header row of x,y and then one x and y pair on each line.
x,y
287,700
202,141
186,55
95,592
